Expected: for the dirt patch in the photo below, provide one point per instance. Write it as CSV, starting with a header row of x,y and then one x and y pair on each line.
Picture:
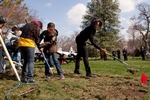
x,y
110,88
80,87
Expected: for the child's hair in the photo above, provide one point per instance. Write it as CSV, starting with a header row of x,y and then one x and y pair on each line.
x,y
2,20
33,29
14,28
50,25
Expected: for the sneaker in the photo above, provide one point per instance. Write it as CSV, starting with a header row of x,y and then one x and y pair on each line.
x,y
52,67
23,80
30,81
19,68
10,68
62,76
90,75
47,76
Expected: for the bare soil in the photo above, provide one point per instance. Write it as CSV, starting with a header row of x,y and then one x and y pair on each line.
x,y
105,87
79,87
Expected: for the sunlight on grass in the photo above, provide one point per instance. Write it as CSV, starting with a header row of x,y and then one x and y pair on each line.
x,y
111,79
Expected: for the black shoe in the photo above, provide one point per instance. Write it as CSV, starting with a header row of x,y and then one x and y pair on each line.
x,y
90,75
30,81
77,72
23,80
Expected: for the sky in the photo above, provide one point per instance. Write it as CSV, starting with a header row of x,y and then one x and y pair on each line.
x,y
67,14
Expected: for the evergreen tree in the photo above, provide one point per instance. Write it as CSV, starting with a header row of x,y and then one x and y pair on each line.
x,y
108,11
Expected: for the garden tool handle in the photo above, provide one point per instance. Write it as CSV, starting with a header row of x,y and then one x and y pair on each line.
x,y
5,49
116,58
107,53
103,50
47,62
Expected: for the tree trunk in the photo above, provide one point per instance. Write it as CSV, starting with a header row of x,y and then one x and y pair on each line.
x,y
146,47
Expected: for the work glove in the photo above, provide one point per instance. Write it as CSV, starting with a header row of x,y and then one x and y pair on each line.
x,y
41,49
44,44
104,50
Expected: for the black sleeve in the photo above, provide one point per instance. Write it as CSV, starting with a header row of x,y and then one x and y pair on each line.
x,y
37,38
56,32
21,28
93,42
41,36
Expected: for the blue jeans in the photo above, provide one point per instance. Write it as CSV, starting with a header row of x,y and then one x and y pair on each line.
x,y
55,61
28,66
17,58
51,62
1,67
15,55
3,64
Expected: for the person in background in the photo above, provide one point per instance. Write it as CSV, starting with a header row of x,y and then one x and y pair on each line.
x,y
49,47
26,43
81,39
125,54
114,54
2,22
16,54
142,52
118,54
12,47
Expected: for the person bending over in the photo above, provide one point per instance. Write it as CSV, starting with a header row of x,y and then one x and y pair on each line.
x,y
26,43
81,39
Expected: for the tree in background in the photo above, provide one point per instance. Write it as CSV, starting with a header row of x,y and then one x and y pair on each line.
x,y
20,13
142,23
66,42
108,10
135,43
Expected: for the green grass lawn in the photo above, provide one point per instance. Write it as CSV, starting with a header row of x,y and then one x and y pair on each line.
x,y
112,82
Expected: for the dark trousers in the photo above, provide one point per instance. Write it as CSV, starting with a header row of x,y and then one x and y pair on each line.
x,y
82,52
125,57
119,56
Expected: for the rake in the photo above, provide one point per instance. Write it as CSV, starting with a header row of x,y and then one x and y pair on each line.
x,y
47,62
16,73
131,70
12,63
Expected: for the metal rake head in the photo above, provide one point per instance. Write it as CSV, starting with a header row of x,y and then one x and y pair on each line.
x,y
132,70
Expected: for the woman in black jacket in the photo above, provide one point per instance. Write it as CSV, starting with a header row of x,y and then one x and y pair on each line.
x,y
81,39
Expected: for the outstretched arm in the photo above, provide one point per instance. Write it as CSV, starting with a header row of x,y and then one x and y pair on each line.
x,y
93,42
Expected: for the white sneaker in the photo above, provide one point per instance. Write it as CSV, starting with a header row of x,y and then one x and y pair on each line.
x,y
62,76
